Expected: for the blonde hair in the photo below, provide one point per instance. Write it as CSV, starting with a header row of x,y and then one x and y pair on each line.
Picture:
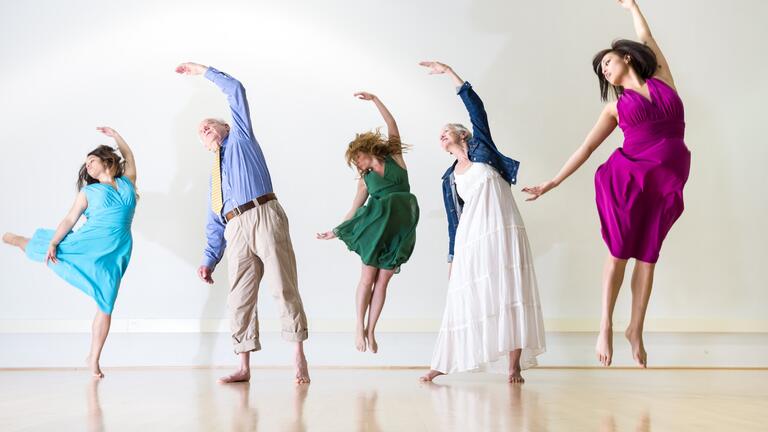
x,y
461,130
374,144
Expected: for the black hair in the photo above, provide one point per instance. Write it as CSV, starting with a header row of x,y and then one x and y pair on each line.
x,y
641,59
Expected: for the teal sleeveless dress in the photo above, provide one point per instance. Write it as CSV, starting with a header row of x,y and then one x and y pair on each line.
x,y
95,257
383,231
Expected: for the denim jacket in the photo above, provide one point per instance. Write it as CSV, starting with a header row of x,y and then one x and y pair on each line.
x,y
481,149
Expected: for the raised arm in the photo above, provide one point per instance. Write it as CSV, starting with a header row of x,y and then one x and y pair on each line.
x,y
605,124
360,196
125,150
66,224
643,32
481,130
238,103
392,130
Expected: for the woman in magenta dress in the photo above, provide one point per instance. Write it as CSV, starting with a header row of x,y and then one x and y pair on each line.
x,y
639,189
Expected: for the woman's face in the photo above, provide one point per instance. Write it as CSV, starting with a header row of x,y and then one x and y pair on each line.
x,y
363,161
614,68
95,166
448,138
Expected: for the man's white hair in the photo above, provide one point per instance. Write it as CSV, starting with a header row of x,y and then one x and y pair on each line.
x,y
216,120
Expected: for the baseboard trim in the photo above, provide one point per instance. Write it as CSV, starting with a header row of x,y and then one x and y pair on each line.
x,y
403,325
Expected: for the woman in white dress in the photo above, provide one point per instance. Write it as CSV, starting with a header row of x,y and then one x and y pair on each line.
x,y
492,319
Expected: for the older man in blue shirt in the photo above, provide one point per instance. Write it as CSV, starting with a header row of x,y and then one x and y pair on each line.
x,y
245,218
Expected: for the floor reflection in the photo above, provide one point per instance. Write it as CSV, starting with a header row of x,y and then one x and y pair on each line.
x,y
366,411
245,417
95,415
467,405
643,424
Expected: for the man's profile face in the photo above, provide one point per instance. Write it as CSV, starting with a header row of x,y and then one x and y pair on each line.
x,y
212,133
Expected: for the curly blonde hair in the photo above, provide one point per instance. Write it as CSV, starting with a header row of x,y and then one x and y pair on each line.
x,y
374,144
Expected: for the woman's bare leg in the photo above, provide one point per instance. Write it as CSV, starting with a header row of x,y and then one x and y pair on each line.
x,y
377,304
642,283
613,275
368,277
100,331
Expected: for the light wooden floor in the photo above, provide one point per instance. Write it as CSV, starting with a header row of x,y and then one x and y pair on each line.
x,y
385,400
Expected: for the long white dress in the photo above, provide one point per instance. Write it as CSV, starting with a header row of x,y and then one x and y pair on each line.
x,y
492,306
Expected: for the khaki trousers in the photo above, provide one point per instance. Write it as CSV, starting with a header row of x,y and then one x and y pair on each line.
x,y
259,247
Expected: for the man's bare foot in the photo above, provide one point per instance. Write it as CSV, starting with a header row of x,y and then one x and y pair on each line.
x,y
604,347
94,367
432,374
635,339
302,372
239,376
372,342
360,339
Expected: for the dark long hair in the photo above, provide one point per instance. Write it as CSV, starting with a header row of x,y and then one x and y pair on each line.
x,y
111,159
641,59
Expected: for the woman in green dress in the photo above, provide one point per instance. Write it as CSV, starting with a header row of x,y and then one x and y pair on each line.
x,y
383,229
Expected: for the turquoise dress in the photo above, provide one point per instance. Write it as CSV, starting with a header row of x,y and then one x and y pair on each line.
x,y
94,257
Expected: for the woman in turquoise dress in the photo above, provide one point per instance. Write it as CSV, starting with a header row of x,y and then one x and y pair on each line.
x,y
94,257
383,230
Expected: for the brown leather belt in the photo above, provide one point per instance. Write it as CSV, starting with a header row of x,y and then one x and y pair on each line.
x,y
237,211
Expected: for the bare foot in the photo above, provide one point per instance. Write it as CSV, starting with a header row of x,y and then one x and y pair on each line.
x,y
604,347
95,368
635,339
432,374
515,376
372,342
360,339
302,372
14,240
239,376
8,238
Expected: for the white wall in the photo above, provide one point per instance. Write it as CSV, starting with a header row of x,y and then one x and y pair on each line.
x,y
69,67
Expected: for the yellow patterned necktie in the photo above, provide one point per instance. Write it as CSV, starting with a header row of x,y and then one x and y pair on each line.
x,y
216,201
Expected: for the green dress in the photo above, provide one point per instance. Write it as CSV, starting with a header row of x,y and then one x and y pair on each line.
x,y
383,231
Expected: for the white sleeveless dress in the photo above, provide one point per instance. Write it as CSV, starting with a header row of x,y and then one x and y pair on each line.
x,y
492,306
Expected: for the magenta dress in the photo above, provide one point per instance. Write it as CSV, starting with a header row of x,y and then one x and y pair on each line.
x,y
639,189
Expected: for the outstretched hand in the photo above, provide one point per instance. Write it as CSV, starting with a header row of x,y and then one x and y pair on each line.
x,y
328,235
365,95
435,67
536,191
191,69
108,131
